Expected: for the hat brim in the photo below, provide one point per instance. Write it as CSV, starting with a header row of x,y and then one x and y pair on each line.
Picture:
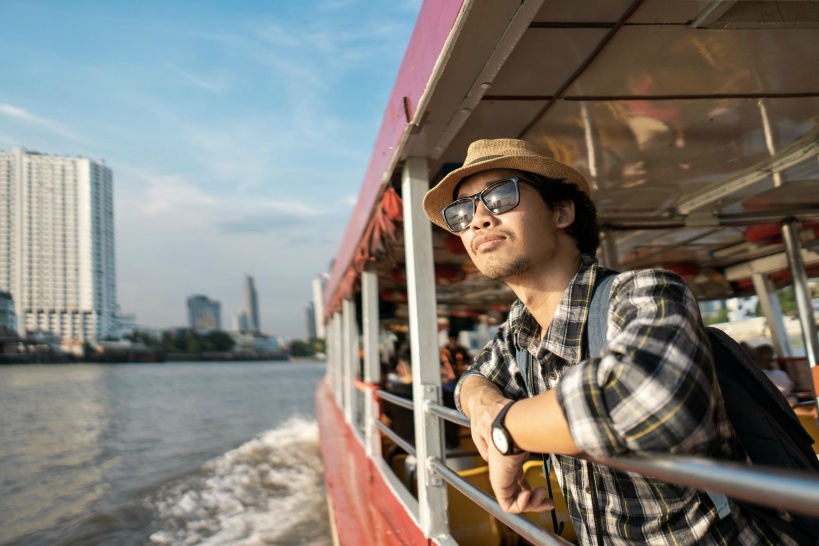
x,y
441,195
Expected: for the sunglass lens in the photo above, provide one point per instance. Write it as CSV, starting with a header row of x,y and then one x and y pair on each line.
x,y
458,215
501,198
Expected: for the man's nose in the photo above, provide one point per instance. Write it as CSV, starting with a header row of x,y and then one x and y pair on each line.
x,y
482,218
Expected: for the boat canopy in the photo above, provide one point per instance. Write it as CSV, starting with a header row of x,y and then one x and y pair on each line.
x,y
696,123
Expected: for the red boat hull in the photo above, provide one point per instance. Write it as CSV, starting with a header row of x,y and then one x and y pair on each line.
x,y
364,507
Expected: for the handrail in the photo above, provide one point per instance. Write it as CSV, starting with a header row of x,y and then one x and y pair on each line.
x,y
792,491
395,399
789,490
526,528
451,415
405,445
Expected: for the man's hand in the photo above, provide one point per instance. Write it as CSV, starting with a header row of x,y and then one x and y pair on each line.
x,y
482,401
513,492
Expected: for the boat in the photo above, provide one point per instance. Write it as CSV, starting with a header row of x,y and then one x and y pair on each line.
x,y
696,124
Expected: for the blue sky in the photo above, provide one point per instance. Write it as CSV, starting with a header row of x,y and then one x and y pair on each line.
x,y
238,133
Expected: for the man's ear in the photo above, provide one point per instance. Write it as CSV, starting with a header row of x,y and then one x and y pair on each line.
x,y
565,214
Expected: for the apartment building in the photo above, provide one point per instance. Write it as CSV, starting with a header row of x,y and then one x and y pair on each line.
x,y
57,243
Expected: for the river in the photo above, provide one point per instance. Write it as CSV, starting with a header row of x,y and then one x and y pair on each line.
x,y
161,454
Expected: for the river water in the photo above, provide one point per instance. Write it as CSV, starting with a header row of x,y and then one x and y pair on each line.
x,y
161,454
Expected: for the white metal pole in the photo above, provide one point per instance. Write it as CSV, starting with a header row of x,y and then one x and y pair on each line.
x,y
790,235
423,334
350,373
372,360
338,360
772,311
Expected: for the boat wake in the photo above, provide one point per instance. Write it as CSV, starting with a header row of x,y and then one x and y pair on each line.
x,y
269,491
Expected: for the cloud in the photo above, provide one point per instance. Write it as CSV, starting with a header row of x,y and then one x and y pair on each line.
x,y
20,114
215,84
260,223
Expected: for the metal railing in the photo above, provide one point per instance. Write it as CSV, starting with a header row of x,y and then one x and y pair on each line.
x,y
792,491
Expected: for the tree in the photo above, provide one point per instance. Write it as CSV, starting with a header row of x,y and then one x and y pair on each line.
x,y
301,348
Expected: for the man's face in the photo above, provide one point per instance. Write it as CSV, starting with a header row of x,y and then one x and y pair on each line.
x,y
511,244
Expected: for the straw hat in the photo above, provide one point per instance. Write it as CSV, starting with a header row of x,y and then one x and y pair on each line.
x,y
500,153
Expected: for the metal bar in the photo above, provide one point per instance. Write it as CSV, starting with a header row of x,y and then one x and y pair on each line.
x,y
712,12
372,361
790,236
527,529
626,223
772,312
423,337
451,415
338,358
405,445
350,359
797,152
395,399
792,491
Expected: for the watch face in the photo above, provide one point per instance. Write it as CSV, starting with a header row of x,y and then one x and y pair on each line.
x,y
500,440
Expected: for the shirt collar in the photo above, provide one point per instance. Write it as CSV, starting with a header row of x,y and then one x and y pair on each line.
x,y
565,336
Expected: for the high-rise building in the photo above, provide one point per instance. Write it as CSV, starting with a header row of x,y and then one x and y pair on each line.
x,y
310,320
57,243
8,317
252,305
204,313
319,281
240,322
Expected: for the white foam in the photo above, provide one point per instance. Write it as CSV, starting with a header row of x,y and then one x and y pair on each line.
x,y
269,491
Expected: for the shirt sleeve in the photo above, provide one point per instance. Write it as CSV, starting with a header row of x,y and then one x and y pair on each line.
x,y
497,364
653,388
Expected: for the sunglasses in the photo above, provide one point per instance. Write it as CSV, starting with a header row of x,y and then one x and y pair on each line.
x,y
498,197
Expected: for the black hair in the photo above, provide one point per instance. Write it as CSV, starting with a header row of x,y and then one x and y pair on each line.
x,y
584,230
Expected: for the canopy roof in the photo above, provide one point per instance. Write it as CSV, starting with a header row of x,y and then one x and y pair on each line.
x,y
691,119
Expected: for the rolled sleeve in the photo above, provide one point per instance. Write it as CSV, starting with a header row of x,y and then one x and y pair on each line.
x,y
653,386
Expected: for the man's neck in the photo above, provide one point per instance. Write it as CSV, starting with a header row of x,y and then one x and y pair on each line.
x,y
541,291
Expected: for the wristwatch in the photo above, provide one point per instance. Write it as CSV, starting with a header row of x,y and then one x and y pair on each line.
x,y
501,437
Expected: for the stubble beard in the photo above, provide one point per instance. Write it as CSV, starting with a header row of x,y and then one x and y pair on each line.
x,y
506,271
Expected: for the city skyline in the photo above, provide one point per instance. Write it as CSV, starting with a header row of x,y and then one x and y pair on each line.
x,y
238,135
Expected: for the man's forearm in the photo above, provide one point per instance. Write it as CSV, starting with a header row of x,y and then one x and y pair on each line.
x,y
478,391
536,424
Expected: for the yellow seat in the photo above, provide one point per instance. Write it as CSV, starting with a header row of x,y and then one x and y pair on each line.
x,y
533,472
399,467
469,523
807,416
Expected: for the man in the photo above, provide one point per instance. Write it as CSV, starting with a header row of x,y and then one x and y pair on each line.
x,y
528,220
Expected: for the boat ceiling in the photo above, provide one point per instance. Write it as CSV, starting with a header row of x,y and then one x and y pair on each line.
x,y
691,120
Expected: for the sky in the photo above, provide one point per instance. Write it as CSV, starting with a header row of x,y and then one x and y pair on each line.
x,y
238,134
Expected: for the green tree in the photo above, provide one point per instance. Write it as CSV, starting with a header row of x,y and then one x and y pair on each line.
x,y
221,341
301,348
718,316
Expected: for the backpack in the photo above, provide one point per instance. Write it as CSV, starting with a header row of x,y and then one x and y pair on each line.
x,y
765,424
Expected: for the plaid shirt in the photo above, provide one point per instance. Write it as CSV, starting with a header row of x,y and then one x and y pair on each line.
x,y
653,389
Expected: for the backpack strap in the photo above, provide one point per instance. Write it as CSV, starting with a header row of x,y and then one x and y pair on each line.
x,y
597,323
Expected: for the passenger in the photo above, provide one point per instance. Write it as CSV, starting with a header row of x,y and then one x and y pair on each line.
x,y
528,220
763,356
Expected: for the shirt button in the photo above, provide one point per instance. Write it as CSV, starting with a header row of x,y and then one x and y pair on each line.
x,y
588,489
553,376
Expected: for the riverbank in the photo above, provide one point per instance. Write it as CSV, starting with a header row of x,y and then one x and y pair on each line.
x,y
137,358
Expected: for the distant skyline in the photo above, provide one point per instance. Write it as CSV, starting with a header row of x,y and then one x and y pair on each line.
x,y
238,134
